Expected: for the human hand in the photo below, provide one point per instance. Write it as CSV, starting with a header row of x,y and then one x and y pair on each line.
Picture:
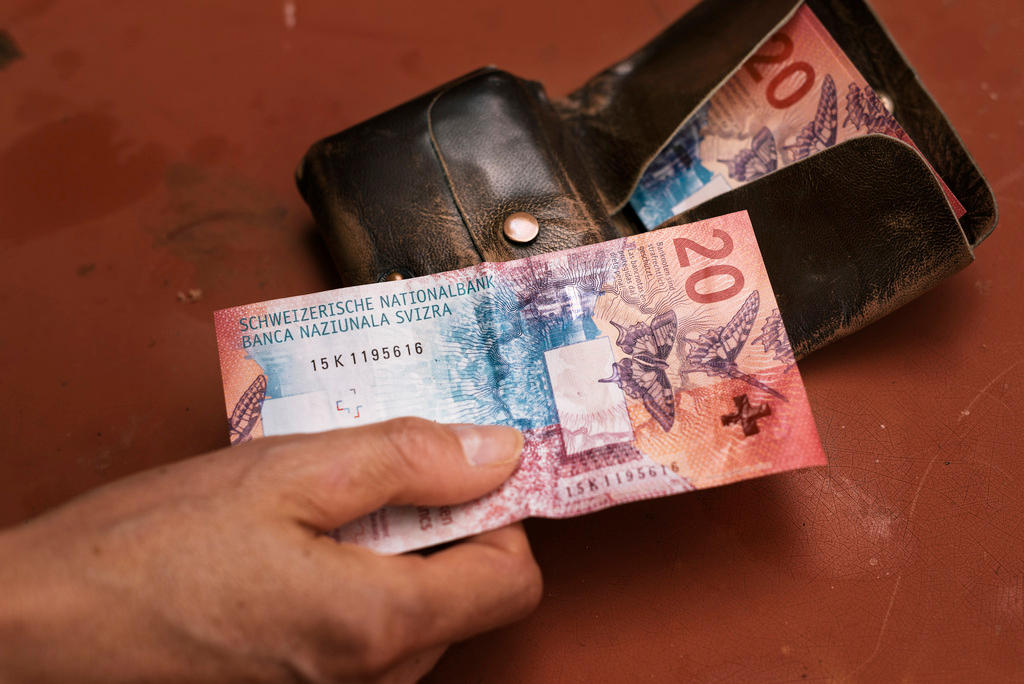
x,y
215,568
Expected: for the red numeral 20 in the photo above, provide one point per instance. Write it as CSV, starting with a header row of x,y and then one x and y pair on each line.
x,y
683,244
771,92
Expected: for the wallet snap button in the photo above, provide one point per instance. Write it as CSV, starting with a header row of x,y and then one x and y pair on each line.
x,y
394,275
521,227
886,100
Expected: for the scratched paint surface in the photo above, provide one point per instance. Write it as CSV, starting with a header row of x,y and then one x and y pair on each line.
x,y
137,164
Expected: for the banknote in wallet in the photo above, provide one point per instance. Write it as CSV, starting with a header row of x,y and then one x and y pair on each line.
x,y
797,95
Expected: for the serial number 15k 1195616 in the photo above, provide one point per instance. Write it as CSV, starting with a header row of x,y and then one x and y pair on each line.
x,y
372,355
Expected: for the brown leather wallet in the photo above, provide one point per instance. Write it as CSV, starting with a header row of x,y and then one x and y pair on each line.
x,y
847,235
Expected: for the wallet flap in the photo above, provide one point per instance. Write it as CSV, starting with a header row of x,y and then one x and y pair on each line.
x,y
427,186
503,151
352,182
847,235
863,38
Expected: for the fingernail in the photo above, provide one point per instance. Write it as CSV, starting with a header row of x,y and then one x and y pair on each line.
x,y
485,445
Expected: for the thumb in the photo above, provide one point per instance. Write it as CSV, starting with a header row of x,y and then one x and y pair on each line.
x,y
330,478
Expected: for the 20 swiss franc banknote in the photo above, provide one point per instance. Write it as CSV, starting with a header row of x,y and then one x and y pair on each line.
x,y
636,368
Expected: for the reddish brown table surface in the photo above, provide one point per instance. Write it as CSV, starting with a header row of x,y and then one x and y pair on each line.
x,y
146,158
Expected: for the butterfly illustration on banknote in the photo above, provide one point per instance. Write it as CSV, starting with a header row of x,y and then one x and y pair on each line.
x,y
821,132
644,375
773,339
759,159
864,109
247,410
715,351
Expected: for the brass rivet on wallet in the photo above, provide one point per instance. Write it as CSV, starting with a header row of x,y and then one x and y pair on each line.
x,y
886,100
521,227
394,275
